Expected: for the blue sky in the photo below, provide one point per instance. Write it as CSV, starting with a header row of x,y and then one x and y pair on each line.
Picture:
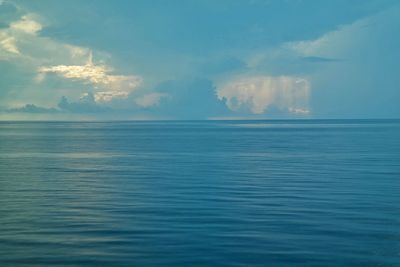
x,y
98,59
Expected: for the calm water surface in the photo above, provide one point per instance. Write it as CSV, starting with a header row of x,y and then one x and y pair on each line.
x,y
242,193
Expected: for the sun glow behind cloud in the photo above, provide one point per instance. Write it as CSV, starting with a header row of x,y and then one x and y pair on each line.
x,y
116,86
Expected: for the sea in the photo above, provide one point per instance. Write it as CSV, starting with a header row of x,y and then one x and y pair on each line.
x,y
200,193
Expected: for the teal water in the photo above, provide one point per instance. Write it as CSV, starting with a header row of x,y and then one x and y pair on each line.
x,y
213,193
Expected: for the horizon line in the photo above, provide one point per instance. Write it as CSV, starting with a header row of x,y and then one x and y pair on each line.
x,y
204,120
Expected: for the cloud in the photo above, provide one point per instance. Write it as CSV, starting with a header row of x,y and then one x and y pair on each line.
x,y
8,44
336,43
150,100
31,108
313,59
366,82
117,86
22,45
259,93
27,25
104,97
191,98
10,36
278,84
86,104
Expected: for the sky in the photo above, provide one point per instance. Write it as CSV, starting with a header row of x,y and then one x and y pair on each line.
x,y
199,59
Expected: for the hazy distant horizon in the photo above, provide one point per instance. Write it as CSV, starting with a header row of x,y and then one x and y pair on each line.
x,y
202,120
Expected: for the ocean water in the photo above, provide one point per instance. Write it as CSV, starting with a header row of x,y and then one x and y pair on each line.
x,y
205,193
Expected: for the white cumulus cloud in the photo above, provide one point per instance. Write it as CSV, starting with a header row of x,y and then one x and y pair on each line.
x,y
26,24
258,93
10,36
8,44
115,86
